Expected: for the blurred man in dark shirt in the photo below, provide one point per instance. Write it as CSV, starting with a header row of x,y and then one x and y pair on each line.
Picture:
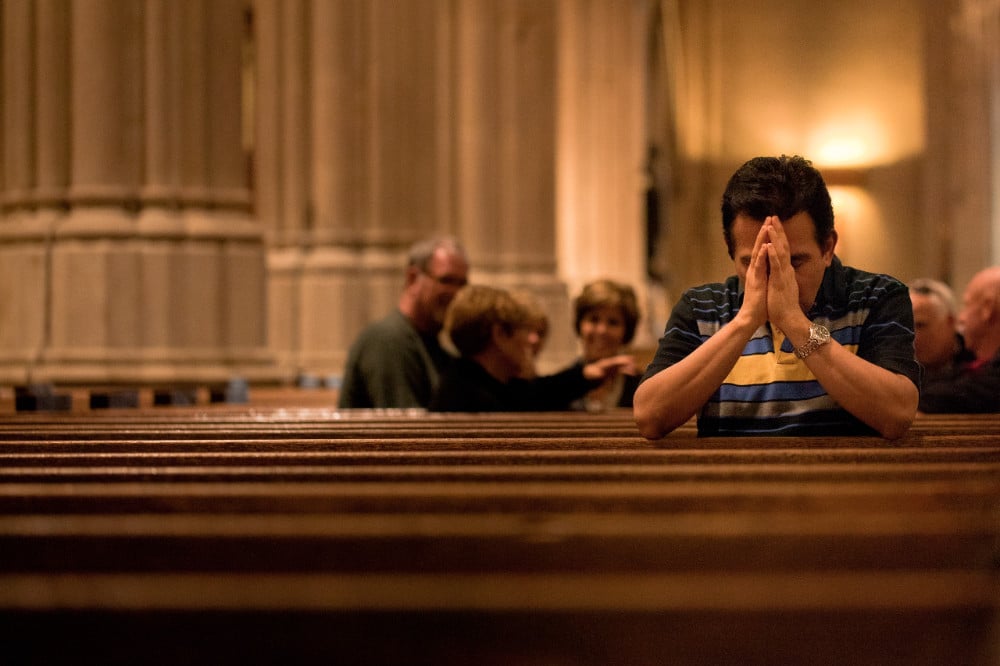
x,y
396,362
973,386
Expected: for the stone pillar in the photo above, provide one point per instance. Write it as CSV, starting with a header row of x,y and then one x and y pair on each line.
x,y
506,117
601,152
406,119
505,69
963,152
52,88
339,288
355,119
281,164
24,229
128,211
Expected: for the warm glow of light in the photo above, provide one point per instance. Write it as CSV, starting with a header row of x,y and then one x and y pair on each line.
x,y
857,142
843,152
848,204
859,224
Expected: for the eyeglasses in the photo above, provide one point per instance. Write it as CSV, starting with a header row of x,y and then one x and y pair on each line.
x,y
448,280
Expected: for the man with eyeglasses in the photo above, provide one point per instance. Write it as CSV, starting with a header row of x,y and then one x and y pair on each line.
x,y
396,362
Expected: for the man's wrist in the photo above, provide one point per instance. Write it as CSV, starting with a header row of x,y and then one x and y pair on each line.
x,y
796,330
819,335
744,325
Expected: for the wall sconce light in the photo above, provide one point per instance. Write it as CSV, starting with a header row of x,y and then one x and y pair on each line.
x,y
844,176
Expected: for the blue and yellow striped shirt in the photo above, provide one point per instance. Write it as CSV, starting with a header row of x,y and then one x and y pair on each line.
x,y
771,392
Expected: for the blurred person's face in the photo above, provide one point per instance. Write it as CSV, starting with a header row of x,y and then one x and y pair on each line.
x,y
602,332
534,351
975,318
934,329
445,274
519,350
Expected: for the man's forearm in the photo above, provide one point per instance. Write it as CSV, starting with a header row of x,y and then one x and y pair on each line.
x,y
882,399
671,397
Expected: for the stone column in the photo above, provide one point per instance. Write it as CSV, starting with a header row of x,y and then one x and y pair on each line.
x,y
505,67
505,172
281,164
601,153
24,229
354,126
423,117
336,284
130,196
52,86
963,153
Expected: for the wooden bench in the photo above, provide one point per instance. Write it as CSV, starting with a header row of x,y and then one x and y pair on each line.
x,y
229,535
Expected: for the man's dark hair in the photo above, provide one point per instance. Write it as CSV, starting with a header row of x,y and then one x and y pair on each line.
x,y
782,186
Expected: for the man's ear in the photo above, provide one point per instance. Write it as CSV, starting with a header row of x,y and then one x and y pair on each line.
x,y
829,245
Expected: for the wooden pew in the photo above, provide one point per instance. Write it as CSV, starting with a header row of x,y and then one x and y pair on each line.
x,y
550,538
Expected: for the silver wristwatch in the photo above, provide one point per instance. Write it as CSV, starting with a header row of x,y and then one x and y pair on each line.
x,y
818,336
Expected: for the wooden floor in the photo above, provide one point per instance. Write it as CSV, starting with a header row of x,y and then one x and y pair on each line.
x,y
282,530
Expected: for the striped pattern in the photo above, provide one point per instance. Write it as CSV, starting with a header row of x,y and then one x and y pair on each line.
x,y
769,390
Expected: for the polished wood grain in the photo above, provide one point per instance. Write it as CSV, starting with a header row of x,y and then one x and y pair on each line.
x,y
289,531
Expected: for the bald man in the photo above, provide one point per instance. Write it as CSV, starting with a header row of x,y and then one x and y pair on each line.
x,y
974,387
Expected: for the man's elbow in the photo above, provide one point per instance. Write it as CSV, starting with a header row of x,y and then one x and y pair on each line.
x,y
649,429
656,411
896,429
644,416
651,424
900,424
899,420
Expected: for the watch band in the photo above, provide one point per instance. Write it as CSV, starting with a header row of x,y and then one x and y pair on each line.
x,y
818,336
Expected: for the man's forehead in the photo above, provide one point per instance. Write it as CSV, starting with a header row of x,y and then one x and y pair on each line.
x,y
799,229
984,285
925,306
801,217
445,257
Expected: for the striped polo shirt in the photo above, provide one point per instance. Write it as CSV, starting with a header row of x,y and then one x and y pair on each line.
x,y
771,392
